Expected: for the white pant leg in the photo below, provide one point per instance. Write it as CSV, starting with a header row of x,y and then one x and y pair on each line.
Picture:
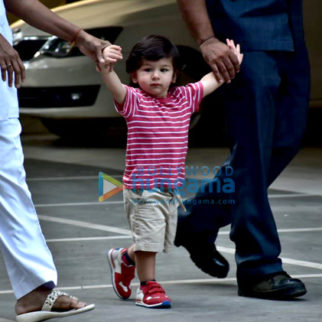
x,y
28,260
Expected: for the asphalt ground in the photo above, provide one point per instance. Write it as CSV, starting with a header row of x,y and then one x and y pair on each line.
x,y
79,230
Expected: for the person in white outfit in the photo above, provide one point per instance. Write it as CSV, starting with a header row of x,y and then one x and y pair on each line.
x,y
28,260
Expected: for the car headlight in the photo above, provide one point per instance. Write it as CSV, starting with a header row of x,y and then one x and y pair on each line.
x,y
16,35
59,48
27,46
56,47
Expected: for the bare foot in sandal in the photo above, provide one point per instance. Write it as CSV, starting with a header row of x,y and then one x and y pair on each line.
x,y
45,303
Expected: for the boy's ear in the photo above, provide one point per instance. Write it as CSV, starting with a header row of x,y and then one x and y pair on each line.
x,y
134,78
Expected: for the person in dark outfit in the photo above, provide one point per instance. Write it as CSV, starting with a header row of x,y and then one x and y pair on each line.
x,y
266,109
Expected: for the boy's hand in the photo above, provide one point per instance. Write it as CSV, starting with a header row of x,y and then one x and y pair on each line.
x,y
235,49
111,55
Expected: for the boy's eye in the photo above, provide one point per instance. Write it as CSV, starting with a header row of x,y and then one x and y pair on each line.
x,y
147,69
164,70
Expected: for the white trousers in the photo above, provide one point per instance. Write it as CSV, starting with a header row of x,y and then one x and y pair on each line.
x,y
28,260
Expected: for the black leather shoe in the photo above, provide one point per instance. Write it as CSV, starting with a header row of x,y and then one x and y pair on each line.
x,y
279,286
204,255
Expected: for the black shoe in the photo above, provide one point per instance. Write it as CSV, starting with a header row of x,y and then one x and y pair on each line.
x,y
279,286
205,255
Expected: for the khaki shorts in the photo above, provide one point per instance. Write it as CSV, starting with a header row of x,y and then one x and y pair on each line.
x,y
152,216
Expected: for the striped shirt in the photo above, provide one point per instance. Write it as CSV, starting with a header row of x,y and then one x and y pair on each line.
x,y
157,139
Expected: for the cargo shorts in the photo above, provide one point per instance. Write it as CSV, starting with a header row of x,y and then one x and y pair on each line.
x,y
152,216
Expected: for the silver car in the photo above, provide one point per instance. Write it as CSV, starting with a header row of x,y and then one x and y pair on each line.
x,y
63,88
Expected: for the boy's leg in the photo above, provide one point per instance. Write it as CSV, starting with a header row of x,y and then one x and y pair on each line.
x,y
130,252
145,265
147,216
150,293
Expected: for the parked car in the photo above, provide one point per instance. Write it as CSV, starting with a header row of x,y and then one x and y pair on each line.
x,y
49,3
64,89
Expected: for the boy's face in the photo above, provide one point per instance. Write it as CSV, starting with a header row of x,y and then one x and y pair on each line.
x,y
155,77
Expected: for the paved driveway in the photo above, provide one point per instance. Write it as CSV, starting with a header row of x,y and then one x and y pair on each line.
x,y
79,230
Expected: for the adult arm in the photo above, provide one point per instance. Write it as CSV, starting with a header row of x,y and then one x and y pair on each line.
x,y
39,16
217,54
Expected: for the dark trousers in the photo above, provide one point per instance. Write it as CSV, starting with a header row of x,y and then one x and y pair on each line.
x,y
266,108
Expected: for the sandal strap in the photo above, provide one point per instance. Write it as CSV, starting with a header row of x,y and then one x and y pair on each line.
x,y
51,299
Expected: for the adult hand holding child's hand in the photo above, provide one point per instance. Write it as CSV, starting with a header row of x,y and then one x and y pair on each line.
x,y
221,59
111,55
236,50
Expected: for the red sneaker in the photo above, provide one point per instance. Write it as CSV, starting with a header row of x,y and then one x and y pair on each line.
x,y
121,274
152,295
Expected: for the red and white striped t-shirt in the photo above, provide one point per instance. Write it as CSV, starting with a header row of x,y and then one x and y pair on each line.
x,y
157,139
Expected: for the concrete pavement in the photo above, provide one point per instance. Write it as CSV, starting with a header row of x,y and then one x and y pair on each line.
x,y
79,230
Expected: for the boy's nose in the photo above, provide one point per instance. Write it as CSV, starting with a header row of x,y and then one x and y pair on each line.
x,y
155,75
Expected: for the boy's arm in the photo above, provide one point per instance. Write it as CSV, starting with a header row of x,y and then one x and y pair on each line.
x,y
111,55
210,83
114,85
